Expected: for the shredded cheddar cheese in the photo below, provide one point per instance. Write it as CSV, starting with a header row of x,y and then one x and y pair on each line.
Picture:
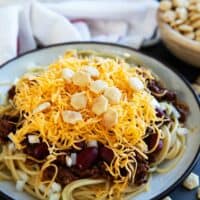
x,y
134,110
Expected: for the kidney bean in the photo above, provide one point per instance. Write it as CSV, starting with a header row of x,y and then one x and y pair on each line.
x,y
154,154
106,154
6,127
159,113
11,92
38,151
61,160
141,177
151,140
14,119
155,87
159,147
81,145
149,130
183,110
169,96
142,170
87,157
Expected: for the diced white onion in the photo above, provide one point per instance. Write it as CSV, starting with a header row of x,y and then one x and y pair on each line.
x,y
136,84
22,175
54,196
42,107
15,81
163,105
92,71
92,143
155,103
56,187
10,136
11,147
100,105
113,94
175,112
32,66
182,131
98,86
33,139
20,185
73,157
78,100
67,74
81,79
127,55
29,76
71,117
68,161
42,188
110,118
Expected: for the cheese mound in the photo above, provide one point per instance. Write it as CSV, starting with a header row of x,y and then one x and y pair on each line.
x,y
133,109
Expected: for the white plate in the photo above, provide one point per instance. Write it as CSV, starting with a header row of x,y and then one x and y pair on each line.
x,y
160,184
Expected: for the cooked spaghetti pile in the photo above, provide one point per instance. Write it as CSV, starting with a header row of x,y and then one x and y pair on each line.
x,y
88,112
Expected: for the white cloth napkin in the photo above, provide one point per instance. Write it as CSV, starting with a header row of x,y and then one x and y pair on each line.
x,y
126,22
8,33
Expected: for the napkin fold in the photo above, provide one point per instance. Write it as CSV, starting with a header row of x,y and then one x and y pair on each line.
x,y
125,22
8,32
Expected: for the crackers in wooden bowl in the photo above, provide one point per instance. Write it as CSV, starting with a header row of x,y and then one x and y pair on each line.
x,y
179,24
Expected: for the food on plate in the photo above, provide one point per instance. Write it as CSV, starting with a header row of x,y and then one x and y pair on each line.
x,y
183,16
89,126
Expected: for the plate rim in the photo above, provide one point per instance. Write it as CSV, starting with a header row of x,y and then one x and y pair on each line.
x,y
185,81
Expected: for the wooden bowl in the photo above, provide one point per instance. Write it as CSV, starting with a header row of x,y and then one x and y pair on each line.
x,y
185,49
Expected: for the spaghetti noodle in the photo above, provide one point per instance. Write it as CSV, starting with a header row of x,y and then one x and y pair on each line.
x,y
89,127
